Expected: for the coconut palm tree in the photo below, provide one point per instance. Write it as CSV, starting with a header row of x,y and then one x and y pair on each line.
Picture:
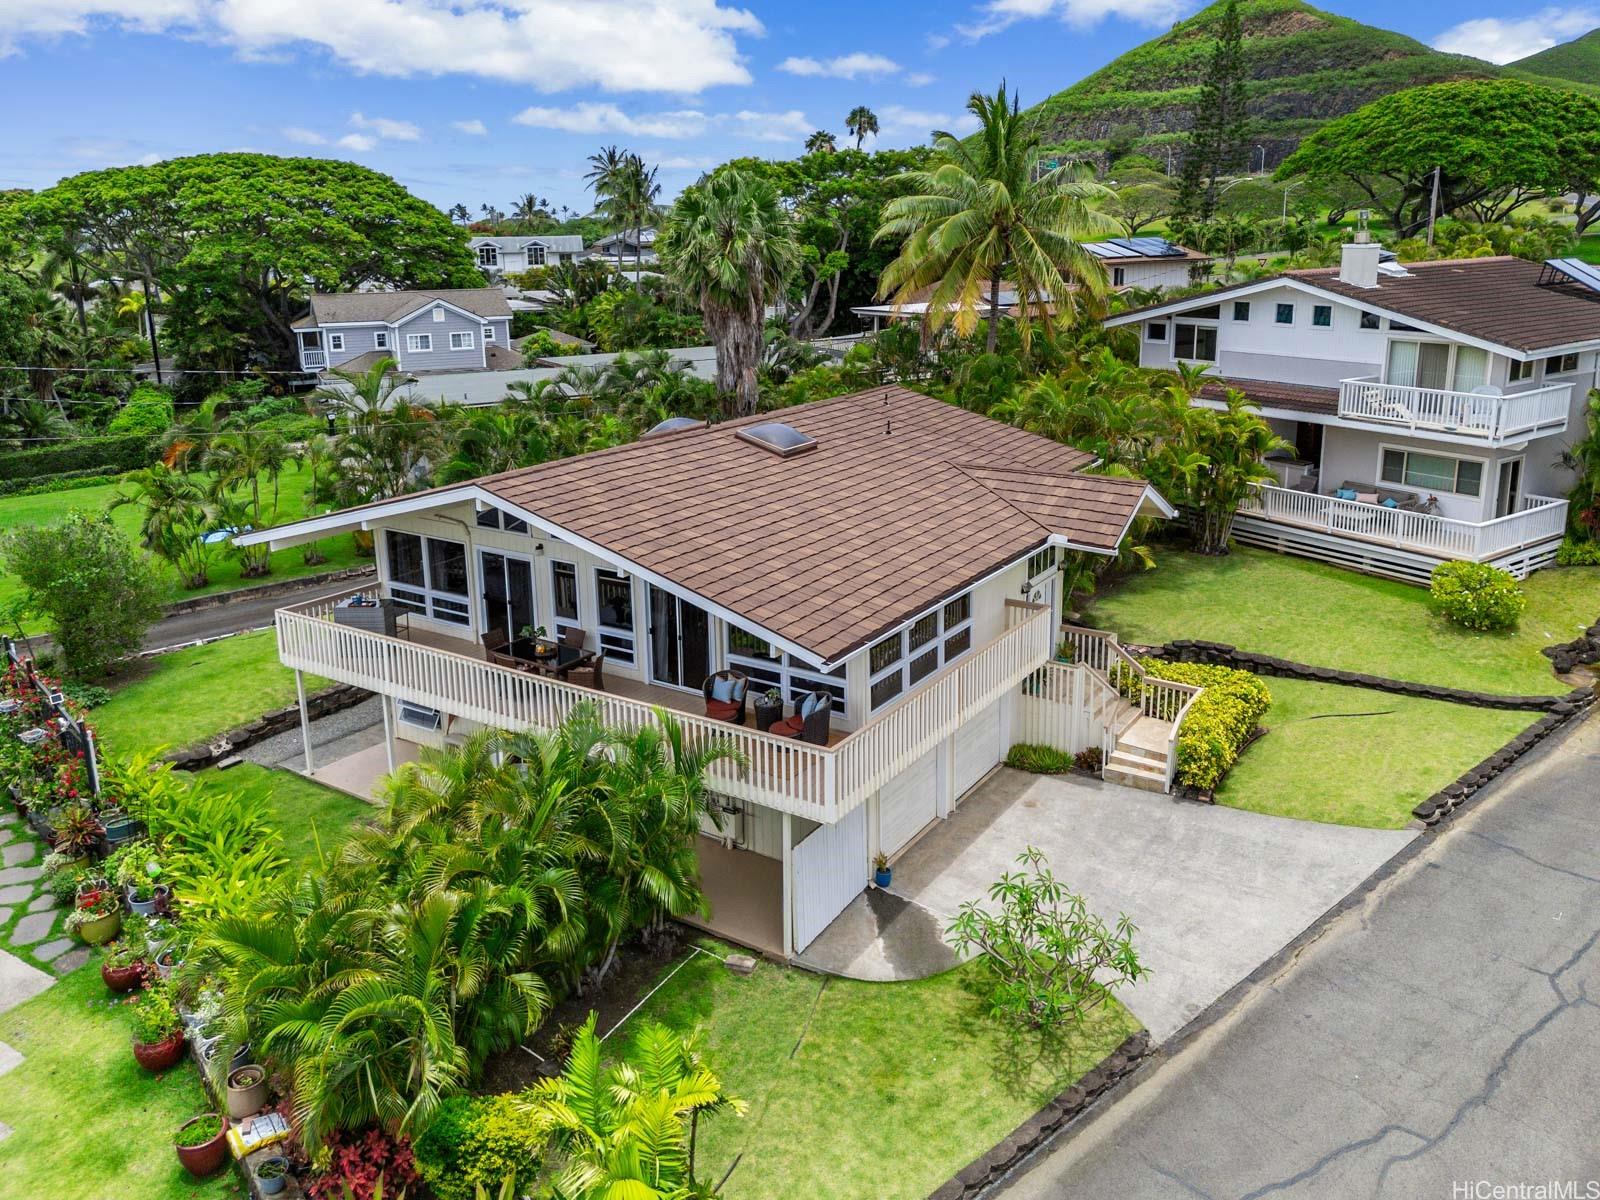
x,y
460,214
238,458
861,121
176,520
731,245
527,209
986,213
821,142
494,440
363,391
638,203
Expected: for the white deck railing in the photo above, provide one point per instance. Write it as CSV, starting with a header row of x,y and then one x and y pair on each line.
x,y
1537,519
818,782
313,360
1464,414
1154,697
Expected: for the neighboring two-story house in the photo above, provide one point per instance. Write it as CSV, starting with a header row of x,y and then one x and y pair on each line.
x,y
498,257
1428,404
884,564
1147,262
454,329
634,244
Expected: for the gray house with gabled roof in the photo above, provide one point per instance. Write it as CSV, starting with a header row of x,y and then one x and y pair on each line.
x,y
448,329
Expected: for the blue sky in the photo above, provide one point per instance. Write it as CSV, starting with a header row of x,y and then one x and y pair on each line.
x,y
474,101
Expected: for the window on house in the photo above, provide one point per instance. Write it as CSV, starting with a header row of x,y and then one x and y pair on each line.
x,y
488,335
1370,321
1197,343
488,256
462,340
1521,370
380,340
336,341
1432,472
493,518
904,659
438,315
1241,310
564,591
419,343
536,256
1402,327
1119,276
1155,331
1039,563
1283,314
768,668
1322,316
489,518
1560,364
428,576
614,594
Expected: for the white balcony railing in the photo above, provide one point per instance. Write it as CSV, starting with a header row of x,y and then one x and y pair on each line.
x,y
1537,518
1461,414
313,360
818,782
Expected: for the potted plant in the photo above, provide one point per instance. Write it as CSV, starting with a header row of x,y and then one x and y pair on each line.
x,y
157,1030
881,871
77,831
202,1144
247,1091
123,967
120,828
137,872
769,707
271,1174
97,918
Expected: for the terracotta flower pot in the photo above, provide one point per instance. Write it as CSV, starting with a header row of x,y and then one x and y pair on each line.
x,y
207,1157
124,978
247,1091
101,930
159,1056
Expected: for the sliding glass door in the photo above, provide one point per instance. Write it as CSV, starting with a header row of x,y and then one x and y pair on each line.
x,y
680,641
508,602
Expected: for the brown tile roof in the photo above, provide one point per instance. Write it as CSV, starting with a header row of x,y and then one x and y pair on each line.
x,y
1091,510
342,307
1297,397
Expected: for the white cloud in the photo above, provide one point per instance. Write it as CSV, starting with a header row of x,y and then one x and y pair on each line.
x,y
996,15
919,79
386,128
772,126
680,162
856,65
897,118
358,142
592,117
1503,41
474,127
619,45
304,137
937,41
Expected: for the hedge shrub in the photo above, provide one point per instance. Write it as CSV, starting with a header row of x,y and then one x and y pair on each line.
x,y
1574,553
1219,723
148,411
477,1140
1477,595
1040,760
110,455
65,482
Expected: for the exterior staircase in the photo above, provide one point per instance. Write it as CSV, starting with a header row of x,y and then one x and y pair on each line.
x,y
1139,756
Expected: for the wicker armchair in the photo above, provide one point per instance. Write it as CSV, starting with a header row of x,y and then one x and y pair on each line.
x,y
813,715
737,689
573,637
591,676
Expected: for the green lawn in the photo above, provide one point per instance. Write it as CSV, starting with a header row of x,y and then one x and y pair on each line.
x,y
1322,761
89,1123
45,507
179,698
307,814
863,1089
1315,613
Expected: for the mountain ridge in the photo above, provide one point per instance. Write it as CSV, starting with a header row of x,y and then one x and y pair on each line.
x,y
1577,61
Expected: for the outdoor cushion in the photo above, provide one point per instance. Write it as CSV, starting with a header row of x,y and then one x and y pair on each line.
x,y
737,693
1367,497
1346,493
790,727
722,689
1390,502
722,710
809,706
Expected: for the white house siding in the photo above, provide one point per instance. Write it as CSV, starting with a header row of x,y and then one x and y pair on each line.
x,y
441,357
1151,274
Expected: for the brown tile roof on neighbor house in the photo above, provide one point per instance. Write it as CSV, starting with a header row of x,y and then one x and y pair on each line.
x,y
337,308
1296,397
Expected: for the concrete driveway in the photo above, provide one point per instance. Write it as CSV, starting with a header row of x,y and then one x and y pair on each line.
x,y
1213,891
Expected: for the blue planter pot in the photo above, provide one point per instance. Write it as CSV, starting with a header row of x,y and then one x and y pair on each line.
x,y
882,878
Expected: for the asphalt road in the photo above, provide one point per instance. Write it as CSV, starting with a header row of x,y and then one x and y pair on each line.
x,y
1444,1031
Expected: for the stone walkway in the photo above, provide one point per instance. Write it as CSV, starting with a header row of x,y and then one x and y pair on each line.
x,y
26,907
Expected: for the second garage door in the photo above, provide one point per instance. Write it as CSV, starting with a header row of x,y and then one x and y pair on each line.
x,y
908,802
977,749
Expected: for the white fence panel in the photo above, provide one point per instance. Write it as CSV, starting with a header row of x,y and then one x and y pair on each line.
x,y
830,869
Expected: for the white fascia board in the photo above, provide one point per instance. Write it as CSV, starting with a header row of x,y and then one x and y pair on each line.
x,y
1157,311
295,532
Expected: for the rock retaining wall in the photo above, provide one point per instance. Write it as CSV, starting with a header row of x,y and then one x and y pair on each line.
x,y
1569,655
977,1175
279,720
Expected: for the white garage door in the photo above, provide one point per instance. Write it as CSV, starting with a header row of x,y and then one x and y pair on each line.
x,y
977,748
908,802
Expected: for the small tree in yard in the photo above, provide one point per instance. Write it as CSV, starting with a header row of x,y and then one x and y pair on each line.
x,y
85,578
1211,467
1051,958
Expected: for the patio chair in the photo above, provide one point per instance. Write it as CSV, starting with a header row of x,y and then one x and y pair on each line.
x,y
573,637
725,696
813,715
591,676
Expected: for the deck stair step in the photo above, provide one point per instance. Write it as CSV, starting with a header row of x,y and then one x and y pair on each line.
x,y
1135,772
1139,758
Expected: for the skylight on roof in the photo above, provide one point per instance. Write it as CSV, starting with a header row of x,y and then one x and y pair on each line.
x,y
777,438
672,425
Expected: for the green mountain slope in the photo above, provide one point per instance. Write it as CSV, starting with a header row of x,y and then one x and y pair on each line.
x,y
1577,61
1306,66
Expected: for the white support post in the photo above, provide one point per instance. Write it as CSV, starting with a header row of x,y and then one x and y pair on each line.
x,y
305,717
946,777
388,730
788,885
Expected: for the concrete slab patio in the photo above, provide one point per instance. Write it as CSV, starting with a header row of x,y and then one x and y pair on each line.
x,y
1213,890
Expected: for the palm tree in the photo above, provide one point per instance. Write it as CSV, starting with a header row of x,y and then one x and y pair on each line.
x,y
460,214
638,202
731,245
607,177
527,209
363,391
176,520
1583,459
239,458
492,440
1213,466
861,121
821,142
986,213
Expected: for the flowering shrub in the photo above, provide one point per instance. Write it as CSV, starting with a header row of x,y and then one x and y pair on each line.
x,y
1219,723
356,1160
1477,595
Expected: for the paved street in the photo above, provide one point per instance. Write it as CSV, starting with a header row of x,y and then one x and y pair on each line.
x,y
1445,1029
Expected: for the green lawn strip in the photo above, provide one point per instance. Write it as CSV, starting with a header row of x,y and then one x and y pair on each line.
x,y
1360,770
1315,613
90,1123
44,507
183,697
893,1088
308,815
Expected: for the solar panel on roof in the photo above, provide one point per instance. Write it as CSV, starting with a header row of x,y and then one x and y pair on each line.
x,y
1150,247
1575,270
